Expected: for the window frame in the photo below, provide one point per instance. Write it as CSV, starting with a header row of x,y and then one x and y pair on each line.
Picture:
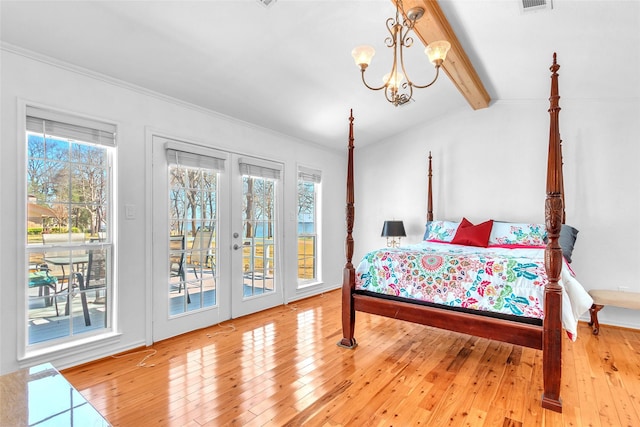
x,y
43,350
313,176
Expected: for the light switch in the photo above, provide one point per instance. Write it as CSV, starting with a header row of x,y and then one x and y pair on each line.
x,y
130,211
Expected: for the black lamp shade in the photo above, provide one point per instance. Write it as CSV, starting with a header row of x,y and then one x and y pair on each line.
x,y
393,229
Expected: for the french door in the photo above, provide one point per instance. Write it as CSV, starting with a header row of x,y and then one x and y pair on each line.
x,y
216,233
256,230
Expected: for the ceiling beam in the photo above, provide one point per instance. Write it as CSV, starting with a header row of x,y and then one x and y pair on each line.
x,y
434,26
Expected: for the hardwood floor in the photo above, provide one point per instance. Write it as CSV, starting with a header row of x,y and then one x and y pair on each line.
x,y
282,367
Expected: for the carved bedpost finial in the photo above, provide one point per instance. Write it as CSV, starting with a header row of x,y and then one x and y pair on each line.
x,y
554,110
554,67
554,167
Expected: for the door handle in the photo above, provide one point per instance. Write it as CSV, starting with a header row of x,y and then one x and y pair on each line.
x,y
236,247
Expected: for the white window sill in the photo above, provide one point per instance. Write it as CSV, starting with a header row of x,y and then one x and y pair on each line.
x,y
67,349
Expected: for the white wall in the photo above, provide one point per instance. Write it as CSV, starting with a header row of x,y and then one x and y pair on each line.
x,y
60,86
492,164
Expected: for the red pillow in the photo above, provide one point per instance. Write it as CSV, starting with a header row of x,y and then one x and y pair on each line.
x,y
465,223
473,235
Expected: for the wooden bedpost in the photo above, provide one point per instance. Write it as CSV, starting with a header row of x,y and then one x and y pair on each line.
x,y
349,273
564,212
554,213
430,192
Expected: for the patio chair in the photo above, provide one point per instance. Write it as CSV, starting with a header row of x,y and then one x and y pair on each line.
x,y
176,257
176,261
93,278
199,256
40,278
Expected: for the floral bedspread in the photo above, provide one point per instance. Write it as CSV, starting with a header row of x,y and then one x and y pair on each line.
x,y
508,281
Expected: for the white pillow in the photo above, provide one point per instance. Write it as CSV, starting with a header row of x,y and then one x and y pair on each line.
x,y
512,233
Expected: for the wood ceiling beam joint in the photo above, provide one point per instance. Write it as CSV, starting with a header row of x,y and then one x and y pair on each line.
x,y
435,26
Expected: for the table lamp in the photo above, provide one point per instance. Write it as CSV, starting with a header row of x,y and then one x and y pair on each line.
x,y
393,231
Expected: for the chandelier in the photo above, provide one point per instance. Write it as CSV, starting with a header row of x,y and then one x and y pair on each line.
x,y
396,90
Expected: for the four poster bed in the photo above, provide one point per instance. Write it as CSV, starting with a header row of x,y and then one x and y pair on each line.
x,y
516,269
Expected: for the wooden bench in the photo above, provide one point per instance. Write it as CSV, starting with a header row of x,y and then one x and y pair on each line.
x,y
603,297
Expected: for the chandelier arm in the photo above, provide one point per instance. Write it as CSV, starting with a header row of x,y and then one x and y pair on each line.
x,y
432,82
410,85
369,87
391,40
405,38
407,41
404,71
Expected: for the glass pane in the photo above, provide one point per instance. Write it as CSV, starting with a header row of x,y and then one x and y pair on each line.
x,y
59,221
67,293
306,257
177,177
99,222
209,291
307,231
88,155
44,218
259,246
51,148
52,182
192,224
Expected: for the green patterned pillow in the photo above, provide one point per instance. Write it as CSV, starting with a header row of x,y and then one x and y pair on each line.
x,y
441,231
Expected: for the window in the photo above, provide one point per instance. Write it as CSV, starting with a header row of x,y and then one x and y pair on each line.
x,y
69,246
308,203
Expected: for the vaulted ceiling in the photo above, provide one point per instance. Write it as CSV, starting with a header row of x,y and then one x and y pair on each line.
x,y
288,66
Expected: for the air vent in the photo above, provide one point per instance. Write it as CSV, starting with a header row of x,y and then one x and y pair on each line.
x,y
266,3
534,5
